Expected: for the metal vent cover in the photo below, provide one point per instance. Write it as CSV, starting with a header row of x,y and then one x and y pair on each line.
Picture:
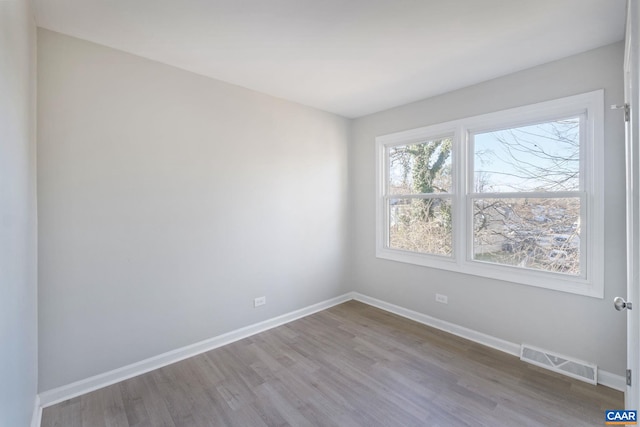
x,y
562,364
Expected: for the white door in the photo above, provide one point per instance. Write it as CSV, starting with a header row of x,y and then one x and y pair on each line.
x,y
632,93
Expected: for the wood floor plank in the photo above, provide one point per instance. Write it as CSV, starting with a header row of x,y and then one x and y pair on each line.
x,y
350,365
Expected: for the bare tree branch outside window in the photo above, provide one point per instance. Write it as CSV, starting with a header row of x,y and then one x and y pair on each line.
x,y
529,231
421,223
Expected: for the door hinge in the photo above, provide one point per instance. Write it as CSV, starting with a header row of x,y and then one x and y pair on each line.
x,y
629,377
626,108
627,117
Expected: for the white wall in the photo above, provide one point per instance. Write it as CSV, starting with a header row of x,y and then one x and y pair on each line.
x,y
18,287
582,327
168,201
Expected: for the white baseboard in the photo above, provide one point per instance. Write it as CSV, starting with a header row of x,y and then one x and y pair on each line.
x,y
616,382
452,328
36,417
69,391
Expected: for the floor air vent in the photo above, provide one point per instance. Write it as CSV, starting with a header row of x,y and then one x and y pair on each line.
x,y
561,364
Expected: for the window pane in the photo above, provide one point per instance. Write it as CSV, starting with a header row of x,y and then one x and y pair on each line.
x,y
542,157
543,234
421,225
420,168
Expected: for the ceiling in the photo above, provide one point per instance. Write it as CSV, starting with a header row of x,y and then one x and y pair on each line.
x,y
349,57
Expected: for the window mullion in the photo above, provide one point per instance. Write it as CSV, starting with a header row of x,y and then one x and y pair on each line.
x,y
461,174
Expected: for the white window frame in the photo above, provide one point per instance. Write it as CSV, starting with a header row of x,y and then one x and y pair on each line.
x,y
591,105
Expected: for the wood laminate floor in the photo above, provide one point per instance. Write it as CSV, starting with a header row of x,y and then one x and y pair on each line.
x,y
350,365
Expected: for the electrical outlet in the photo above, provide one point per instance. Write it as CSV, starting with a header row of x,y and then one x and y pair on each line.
x,y
257,302
442,299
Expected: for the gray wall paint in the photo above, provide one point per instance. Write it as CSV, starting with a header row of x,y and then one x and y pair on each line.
x,y
168,201
18,287
577,326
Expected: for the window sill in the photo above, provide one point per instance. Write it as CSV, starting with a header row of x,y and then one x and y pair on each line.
x,y
540,279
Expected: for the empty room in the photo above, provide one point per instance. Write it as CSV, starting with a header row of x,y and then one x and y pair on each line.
x,y
319,213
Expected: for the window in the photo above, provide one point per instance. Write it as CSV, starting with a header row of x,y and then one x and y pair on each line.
x,y
514,195
420,196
